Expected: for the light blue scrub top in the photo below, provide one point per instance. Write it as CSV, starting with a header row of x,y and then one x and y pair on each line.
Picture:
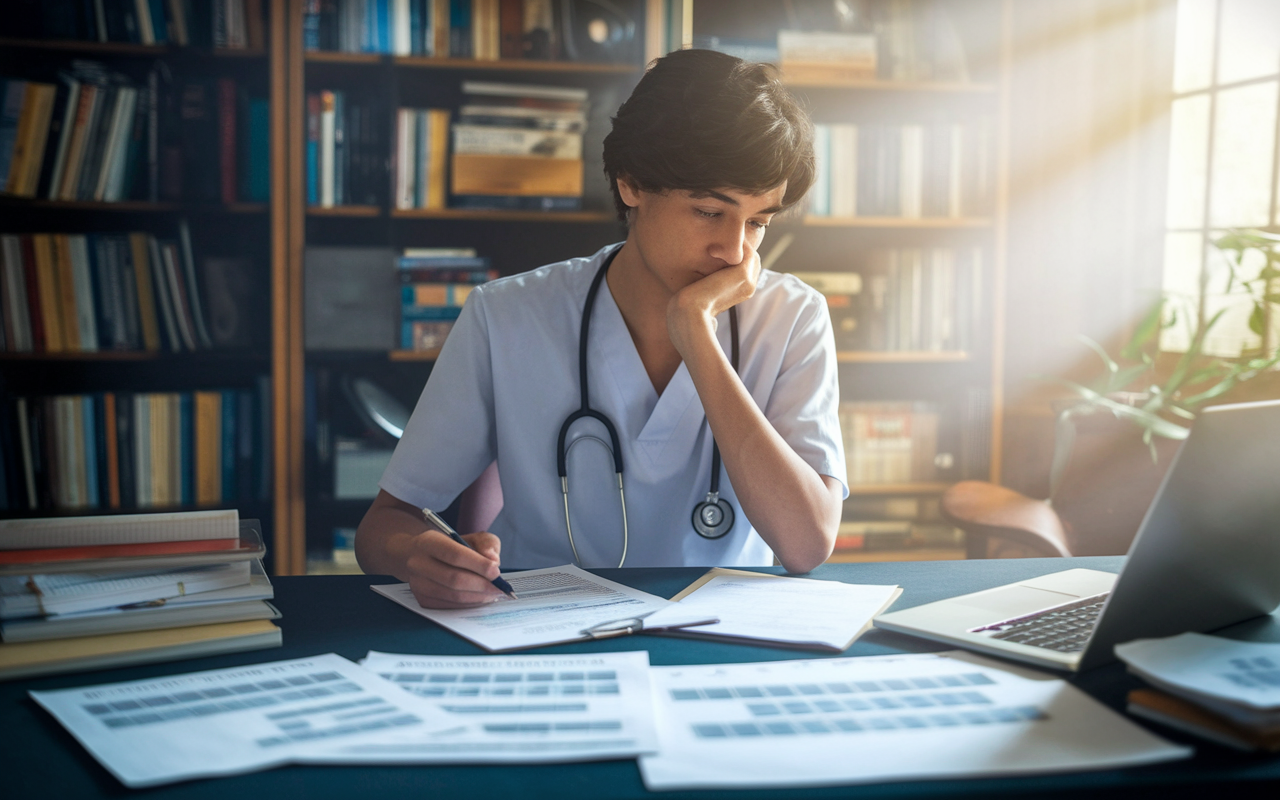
x,y
508,377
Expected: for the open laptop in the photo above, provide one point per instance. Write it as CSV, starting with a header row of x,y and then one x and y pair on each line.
x,y
1207,555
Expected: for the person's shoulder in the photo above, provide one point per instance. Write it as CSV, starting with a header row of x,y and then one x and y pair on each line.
x,y
782,289
548,284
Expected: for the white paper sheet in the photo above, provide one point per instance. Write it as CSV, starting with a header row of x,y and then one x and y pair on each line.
x,y
1209,668
557,604
797,611
518,709
225,722
857,720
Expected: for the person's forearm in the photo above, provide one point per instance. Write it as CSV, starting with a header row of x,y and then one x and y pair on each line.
x,y
384,536
788,502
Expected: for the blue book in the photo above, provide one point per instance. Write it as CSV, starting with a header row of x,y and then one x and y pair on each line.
x,y
186,449
429,313
14,91
90,445
244,445
159,24
257,182
459,29
415,28
503,202
443,262
228,446
262,427
383,10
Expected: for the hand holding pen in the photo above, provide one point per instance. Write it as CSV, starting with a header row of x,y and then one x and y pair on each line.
x,y
448,530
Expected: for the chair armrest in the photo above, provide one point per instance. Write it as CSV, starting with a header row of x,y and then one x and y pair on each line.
x,y
986,511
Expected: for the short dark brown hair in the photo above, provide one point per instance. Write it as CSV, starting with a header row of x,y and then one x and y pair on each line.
x,y
701,120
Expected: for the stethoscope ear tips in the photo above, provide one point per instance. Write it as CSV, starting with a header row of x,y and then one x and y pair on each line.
x,y
713,517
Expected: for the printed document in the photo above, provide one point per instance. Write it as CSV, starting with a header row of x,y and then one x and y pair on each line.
x,y
857,720
517,709
230,721
557,604
1209,669
777,610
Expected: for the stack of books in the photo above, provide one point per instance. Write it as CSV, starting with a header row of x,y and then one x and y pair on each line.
x,y
97,292
434,284
519,147
1223,690
82,593
827,55
841,290
891,442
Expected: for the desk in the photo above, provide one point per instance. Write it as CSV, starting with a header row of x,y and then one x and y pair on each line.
x,y
340,614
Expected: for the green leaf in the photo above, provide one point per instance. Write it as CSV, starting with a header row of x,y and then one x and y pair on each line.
x,y
1147,331
1257,320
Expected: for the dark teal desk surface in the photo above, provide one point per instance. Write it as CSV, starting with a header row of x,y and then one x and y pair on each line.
x,y
340,614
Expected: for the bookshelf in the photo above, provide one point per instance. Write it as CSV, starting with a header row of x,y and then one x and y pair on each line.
x,y
119,370
339,447
917,380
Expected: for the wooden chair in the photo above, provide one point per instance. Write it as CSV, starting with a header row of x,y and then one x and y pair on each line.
x,y
1102,482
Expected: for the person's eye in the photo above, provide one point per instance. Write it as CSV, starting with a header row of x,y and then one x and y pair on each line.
x,y
760,226
708,214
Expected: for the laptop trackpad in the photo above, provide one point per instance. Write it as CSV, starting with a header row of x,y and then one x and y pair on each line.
x,y
1014,600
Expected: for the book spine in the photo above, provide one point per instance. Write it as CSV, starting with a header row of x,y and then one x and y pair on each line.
x,y
227,139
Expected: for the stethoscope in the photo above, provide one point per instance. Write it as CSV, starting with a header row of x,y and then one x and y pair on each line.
x,y
713,517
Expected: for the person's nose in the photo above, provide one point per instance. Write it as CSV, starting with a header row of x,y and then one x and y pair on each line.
x,y
730,243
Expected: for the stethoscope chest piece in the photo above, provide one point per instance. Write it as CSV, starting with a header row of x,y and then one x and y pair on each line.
x,y
713,517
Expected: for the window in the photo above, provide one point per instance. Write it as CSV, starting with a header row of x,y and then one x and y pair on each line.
x,y
1222,159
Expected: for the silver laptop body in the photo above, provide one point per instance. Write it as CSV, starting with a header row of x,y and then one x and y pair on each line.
x,y
1207,555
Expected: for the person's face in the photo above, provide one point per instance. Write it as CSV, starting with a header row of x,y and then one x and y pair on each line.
x,y
683,236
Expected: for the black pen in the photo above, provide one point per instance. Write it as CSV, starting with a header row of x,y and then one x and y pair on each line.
x,y
444,527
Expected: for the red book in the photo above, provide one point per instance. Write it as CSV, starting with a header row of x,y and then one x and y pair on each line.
x,y
37,556
227,138
511,28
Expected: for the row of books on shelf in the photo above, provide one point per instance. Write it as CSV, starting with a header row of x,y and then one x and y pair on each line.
x,y
136,450
227,24
893,442
513,147
906,300
901,442
900,40
486,30
97,135
434,285
80,593
101,292
911,171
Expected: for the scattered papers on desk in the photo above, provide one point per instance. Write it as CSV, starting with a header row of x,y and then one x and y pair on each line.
x,y
858,720
557,604
517,709
777,610
1221,689
231,721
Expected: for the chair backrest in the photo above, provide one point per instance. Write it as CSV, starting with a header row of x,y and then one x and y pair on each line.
x,y
1105,480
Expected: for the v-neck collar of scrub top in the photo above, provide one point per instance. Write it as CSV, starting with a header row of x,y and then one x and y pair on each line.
x,y
651,420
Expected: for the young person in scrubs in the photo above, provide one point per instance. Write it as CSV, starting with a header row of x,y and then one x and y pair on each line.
x,y
704,154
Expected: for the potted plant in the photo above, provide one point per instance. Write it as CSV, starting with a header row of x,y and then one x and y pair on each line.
x,y
1116,436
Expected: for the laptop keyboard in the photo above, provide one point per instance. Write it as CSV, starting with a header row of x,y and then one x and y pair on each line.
x,y
1064,628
